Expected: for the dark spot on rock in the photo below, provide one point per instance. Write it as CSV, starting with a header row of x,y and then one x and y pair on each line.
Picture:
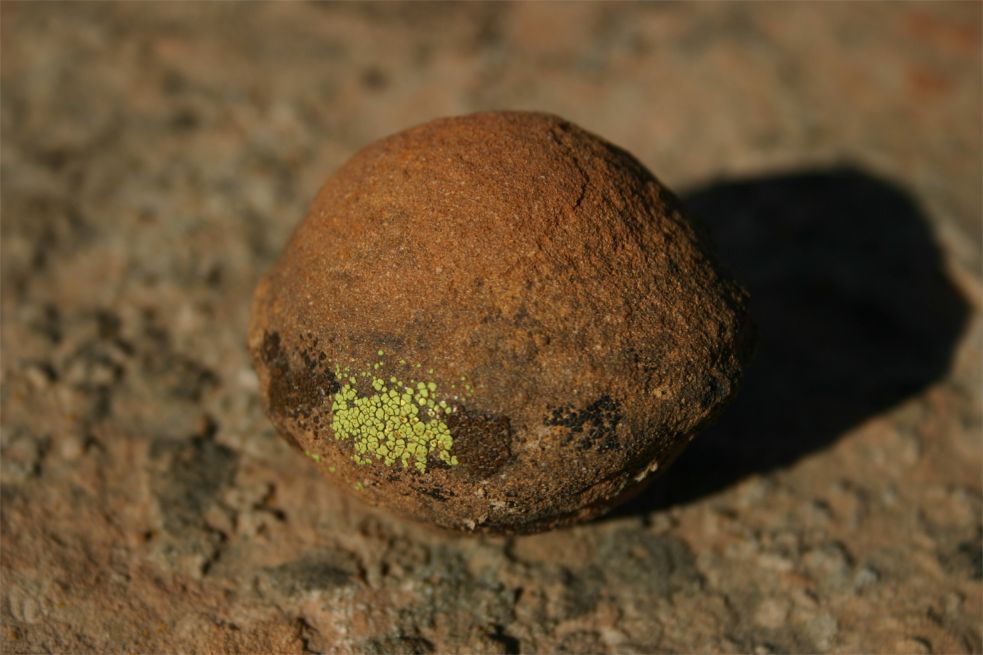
x,y
49,323
174,83
595,425
435,492
184,120
272,353
508,643
523,318
192,474
188,477
108,324
374,78
456,593
214,276
581,590
966,558
295,392
399,645
318,570
482,442
55,158
309,636
190,380
659,564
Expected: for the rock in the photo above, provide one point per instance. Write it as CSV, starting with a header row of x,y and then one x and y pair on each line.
x,y
154,510
496,322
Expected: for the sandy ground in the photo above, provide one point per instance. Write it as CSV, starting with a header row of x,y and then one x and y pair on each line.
x,y
155,158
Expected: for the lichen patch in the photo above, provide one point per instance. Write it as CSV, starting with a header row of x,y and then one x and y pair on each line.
x,y
395,423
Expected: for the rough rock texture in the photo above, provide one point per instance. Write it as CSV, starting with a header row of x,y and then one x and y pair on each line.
x,y
155,158
496,322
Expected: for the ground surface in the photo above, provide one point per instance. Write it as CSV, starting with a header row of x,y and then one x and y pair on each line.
x,y
154,160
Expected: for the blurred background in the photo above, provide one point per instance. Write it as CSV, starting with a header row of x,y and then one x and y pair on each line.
x,y
154,159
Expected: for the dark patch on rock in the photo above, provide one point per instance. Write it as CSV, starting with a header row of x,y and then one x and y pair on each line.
x,y
187,480
374,78
399,645
509,644
319,570
594,425
435,492
193,473
966,558
295,392
456,594
189,379
582,590
482,442
661,565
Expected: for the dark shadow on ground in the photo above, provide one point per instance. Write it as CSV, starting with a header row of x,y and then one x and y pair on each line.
x,y
853,309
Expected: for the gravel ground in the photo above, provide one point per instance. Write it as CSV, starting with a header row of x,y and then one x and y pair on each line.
x,y
155,158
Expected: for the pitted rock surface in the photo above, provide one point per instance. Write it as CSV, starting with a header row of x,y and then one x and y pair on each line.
x,y
154,160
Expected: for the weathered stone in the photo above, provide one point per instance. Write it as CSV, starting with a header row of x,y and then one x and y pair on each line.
x,y
496,322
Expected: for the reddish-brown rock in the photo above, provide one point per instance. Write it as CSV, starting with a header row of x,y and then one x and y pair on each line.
x,y
495,322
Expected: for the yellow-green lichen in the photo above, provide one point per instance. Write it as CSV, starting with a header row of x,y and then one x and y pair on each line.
x,y
394,423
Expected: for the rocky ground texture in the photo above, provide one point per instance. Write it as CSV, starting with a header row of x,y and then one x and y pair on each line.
x,y
154,161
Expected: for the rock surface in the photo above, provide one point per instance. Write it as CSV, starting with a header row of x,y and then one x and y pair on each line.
x,y
495,322
154,160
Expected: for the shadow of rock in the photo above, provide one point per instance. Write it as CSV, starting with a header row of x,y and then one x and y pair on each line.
x,y
854,313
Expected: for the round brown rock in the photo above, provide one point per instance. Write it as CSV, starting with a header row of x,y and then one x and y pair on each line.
x,y
496,322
